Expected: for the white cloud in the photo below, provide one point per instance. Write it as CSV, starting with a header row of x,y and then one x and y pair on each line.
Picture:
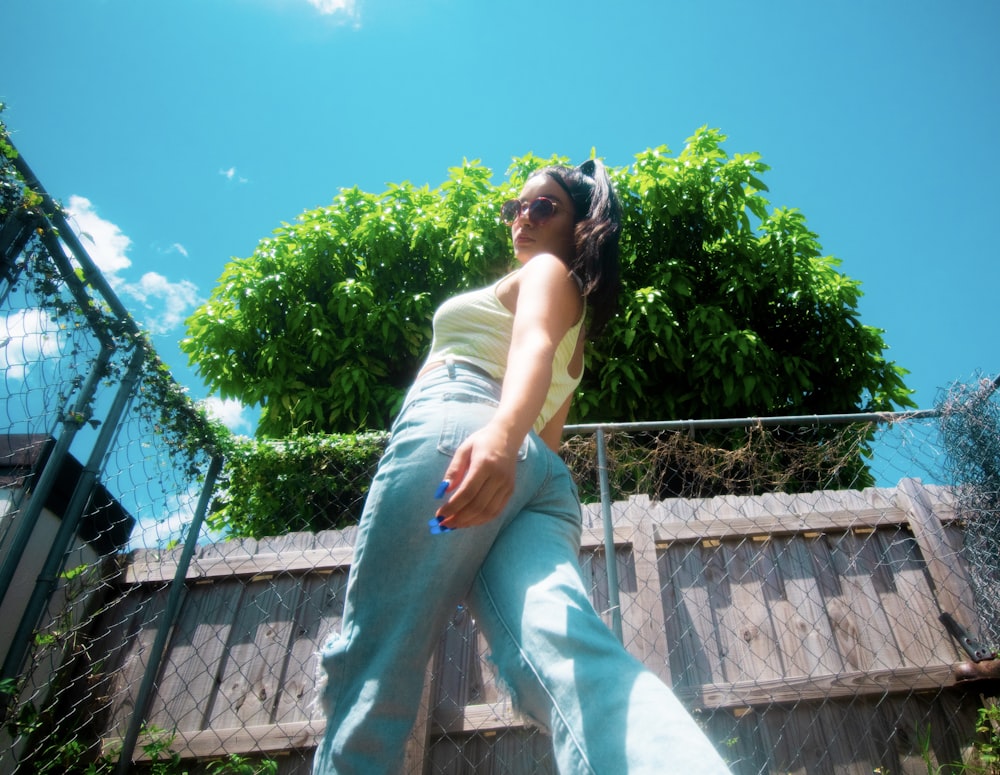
x,y
152,533
346,8
173,300
336,12
157,533
228,411
27,336
167,303
103,240
230,174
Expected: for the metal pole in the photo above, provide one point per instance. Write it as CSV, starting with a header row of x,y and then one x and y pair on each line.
x,y
92,275
48,576
177,587
610,554
736,422
28,518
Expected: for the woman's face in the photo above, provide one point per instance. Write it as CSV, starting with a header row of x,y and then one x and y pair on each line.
x,y
555,235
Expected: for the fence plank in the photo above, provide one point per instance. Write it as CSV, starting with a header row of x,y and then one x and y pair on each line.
x,y
418,743
190,665
788,739
775,525
693,576
594,569
817,687
320,610
458,669
861,625
127,635
480,718
745,627
804,631
961,578
910,603
930,535
212,743
259,638
148,571
249,682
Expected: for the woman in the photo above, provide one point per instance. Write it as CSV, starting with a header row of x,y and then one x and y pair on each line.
x,y
484,419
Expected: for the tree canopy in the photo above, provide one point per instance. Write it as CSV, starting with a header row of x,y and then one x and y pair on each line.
x,y
728,306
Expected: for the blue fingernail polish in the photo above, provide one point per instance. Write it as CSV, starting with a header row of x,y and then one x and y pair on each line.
x,y
442,489
436,527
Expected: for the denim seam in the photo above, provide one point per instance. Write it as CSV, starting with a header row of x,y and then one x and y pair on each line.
x,y
352,593
527,662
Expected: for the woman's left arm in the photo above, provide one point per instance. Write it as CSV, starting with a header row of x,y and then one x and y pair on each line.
x,y
483,470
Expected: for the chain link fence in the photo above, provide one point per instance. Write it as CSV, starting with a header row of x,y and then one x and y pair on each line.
x,y
803,629
95,454
820,592
970,429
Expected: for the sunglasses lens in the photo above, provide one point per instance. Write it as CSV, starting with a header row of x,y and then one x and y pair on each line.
x,y
510,210
541,209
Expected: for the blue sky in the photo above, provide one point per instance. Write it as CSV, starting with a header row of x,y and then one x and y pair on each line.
x,y
180,134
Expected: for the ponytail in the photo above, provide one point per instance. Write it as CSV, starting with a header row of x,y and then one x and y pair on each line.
x,y
598,226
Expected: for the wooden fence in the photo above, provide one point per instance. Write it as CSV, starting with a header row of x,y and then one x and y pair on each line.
x,y
803,631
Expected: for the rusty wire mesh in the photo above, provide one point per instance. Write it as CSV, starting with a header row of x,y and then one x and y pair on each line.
x,y
786,580
970,429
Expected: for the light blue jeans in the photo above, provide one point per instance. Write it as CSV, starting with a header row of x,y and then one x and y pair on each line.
x,y
519,574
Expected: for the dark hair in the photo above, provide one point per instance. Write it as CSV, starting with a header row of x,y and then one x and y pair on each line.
x,y
598,225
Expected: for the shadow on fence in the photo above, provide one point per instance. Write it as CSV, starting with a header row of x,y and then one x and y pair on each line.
x,y
804,629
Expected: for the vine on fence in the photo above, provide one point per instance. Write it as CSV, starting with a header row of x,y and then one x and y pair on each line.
x,y
184,425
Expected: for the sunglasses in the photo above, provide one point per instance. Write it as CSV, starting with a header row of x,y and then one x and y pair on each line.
x,y
538,210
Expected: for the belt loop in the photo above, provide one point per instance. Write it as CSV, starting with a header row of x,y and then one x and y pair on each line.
x,y
449,361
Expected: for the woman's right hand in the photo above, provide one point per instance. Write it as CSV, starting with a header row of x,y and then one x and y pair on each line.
x,y
481,478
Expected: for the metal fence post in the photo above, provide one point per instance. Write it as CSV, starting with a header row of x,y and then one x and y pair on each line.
x,y
170,612
28,518
47,577
610,554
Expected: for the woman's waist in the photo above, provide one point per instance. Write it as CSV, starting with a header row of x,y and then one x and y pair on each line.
x,y
485,367
451,375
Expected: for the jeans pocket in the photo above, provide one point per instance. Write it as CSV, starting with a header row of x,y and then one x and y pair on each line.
x,y
463,417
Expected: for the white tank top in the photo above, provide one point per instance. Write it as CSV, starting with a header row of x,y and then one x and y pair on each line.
x,y
476,328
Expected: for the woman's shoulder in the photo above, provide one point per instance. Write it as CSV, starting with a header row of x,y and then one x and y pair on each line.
x,y
549,275
548,280
548,266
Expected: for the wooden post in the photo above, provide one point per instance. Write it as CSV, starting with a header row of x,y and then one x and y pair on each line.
x,y
950,584
645,612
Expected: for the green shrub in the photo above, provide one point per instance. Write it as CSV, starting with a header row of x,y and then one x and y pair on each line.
x,y
305,483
